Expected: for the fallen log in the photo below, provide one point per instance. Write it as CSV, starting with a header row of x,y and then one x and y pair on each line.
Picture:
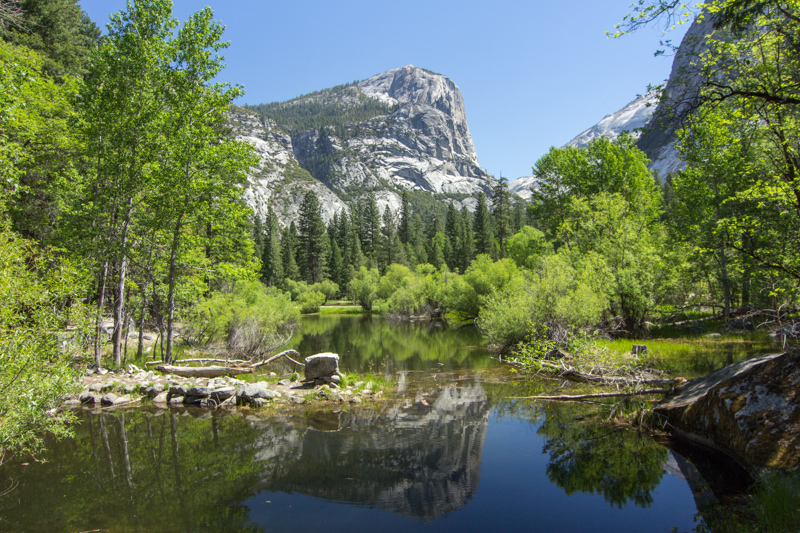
x,y
185,361
205,371
581,397
573,375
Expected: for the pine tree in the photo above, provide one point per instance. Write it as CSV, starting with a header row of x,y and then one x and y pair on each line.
x,y
288,251
312,239
404,229
271,257
467,240
452,245
501,213
483,227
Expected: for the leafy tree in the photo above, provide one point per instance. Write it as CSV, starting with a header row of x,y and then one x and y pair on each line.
x,y
604,166
59,30
363,288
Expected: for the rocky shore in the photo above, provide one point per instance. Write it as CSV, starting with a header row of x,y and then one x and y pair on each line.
x,y
126,387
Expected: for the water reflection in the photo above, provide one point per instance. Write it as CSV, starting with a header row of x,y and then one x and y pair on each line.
x,y
622,465
450,453
366,343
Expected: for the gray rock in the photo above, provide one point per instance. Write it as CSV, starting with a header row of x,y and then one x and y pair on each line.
x,y
258,402
198,392
108,399
284,382
102,371
72,403
222,394
297,399
750,410
161,398
151,391
175,400
96,387
129,388
355,399
254,391
119,400
321,365
88,397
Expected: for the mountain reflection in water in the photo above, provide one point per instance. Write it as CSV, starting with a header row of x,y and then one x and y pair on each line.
x,y
450,453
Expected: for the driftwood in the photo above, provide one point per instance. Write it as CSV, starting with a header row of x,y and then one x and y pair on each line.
x,y
217,371
205,371
186,361
284,354
577,377
581,397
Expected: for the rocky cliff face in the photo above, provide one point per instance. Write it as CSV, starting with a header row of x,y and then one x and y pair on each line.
x,y
421,144
656,120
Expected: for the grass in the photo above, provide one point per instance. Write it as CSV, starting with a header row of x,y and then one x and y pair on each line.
x,y
341,310
689,356
776,502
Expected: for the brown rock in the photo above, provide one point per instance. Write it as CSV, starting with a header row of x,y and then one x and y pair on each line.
x,y
748,410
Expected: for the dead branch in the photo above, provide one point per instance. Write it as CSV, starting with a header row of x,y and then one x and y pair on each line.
x,y
275,357
581,397
577,377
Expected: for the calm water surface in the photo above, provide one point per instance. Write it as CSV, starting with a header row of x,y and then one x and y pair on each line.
x,y
453,453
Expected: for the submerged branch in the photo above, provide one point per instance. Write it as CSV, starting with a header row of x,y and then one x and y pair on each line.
x,y
581,397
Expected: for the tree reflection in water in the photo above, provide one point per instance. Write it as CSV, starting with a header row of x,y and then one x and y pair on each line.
x,y
622,465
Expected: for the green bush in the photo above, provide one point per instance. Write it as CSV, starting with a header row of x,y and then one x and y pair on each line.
x,y
310,301
251,318
36,295
560,296
363,288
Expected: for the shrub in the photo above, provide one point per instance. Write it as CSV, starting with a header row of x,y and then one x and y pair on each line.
x,y
251,318
310,301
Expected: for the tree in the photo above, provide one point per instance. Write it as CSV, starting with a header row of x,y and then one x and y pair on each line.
x,y
604,166
155,126
313,239
483,227
271,261
501,214
58,29
38,290
289,251
124,118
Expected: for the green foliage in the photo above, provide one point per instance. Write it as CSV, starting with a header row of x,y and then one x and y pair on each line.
x,y
363,288
541,341
37,301
57,29
562,295
251,319
605,166
777,502
310,301
528,248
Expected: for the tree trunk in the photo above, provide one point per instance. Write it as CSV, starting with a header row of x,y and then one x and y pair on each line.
x,y
173,259
120,289
98,348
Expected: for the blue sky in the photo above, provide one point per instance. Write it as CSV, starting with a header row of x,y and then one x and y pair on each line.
x,y
533,74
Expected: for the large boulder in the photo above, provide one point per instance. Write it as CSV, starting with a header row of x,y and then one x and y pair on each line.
x,y
748,410
321,366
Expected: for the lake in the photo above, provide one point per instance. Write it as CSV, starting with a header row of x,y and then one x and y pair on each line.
x,y
453,451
